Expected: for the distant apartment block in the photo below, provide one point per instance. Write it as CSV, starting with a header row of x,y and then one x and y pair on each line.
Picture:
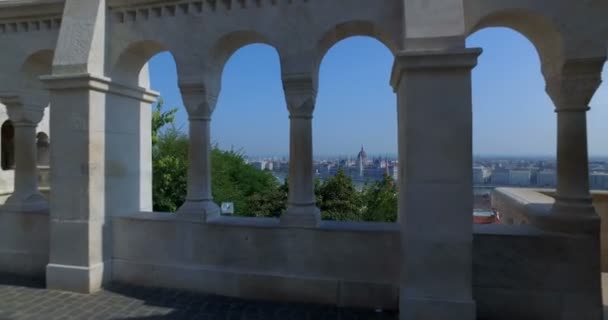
x,y
520,177
500,176
598,180
546,178
481,175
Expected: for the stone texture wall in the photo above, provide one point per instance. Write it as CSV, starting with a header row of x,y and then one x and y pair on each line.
x,y
519,272
24,243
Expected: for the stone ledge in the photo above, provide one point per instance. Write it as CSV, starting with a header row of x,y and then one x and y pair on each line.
x,y
261,222
535,206
98,83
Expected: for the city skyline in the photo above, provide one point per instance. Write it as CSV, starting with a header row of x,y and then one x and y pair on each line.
x,y
512,114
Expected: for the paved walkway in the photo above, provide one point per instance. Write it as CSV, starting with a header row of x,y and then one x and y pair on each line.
x,y
27,299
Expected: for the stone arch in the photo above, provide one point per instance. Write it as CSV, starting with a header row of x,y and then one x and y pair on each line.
x,y
540,30
7,157
230,43
132,60
42,149
350,29
261,86
37,64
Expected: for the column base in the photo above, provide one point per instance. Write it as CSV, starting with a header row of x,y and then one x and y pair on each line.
x,y
26,203
422,309
80,279
198,210
570,218
301,216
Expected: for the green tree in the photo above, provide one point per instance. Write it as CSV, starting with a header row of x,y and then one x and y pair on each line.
x,y
339,199
380,201
253,192
170,167
160,119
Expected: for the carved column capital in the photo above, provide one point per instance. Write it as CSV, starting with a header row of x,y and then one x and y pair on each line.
x,y
198,100
22,113
300,94
574,86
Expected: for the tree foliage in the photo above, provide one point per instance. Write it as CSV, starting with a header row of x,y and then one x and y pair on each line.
x,y
380,200
339,199
160,119
170,167
254,192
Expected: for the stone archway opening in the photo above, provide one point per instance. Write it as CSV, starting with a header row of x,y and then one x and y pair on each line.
x,y
597,127
42,149
514,124
250,132
168,134
159,145
355,130
8,146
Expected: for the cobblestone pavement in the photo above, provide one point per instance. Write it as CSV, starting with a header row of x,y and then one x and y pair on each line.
x,y
27,299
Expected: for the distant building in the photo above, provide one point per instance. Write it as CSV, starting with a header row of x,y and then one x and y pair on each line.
x,y
361,161
481,175
546,178
396,171
520,177
260,165
500,176
598,180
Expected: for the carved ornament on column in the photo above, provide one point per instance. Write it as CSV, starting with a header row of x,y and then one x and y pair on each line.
x,y
300,95
573,88
199,103
22,112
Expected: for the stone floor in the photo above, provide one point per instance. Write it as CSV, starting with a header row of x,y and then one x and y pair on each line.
x,y
27,299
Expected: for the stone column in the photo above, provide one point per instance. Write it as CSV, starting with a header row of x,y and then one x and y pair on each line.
x,y
26,197
571,91
199,200
302,210
80,241
435,183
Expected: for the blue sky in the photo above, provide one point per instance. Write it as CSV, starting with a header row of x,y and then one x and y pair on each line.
x,y
512,114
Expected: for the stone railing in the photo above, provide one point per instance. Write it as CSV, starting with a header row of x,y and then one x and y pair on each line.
x,y
351,264
518,206
344,264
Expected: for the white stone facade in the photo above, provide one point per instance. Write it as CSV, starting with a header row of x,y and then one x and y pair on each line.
x,y
87,59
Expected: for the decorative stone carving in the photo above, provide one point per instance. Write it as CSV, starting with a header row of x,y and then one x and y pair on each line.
x,y
199,103
300,95
51,23
574,87
126,12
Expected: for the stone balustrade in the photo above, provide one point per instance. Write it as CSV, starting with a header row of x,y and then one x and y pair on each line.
x,y
519,272
518,206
